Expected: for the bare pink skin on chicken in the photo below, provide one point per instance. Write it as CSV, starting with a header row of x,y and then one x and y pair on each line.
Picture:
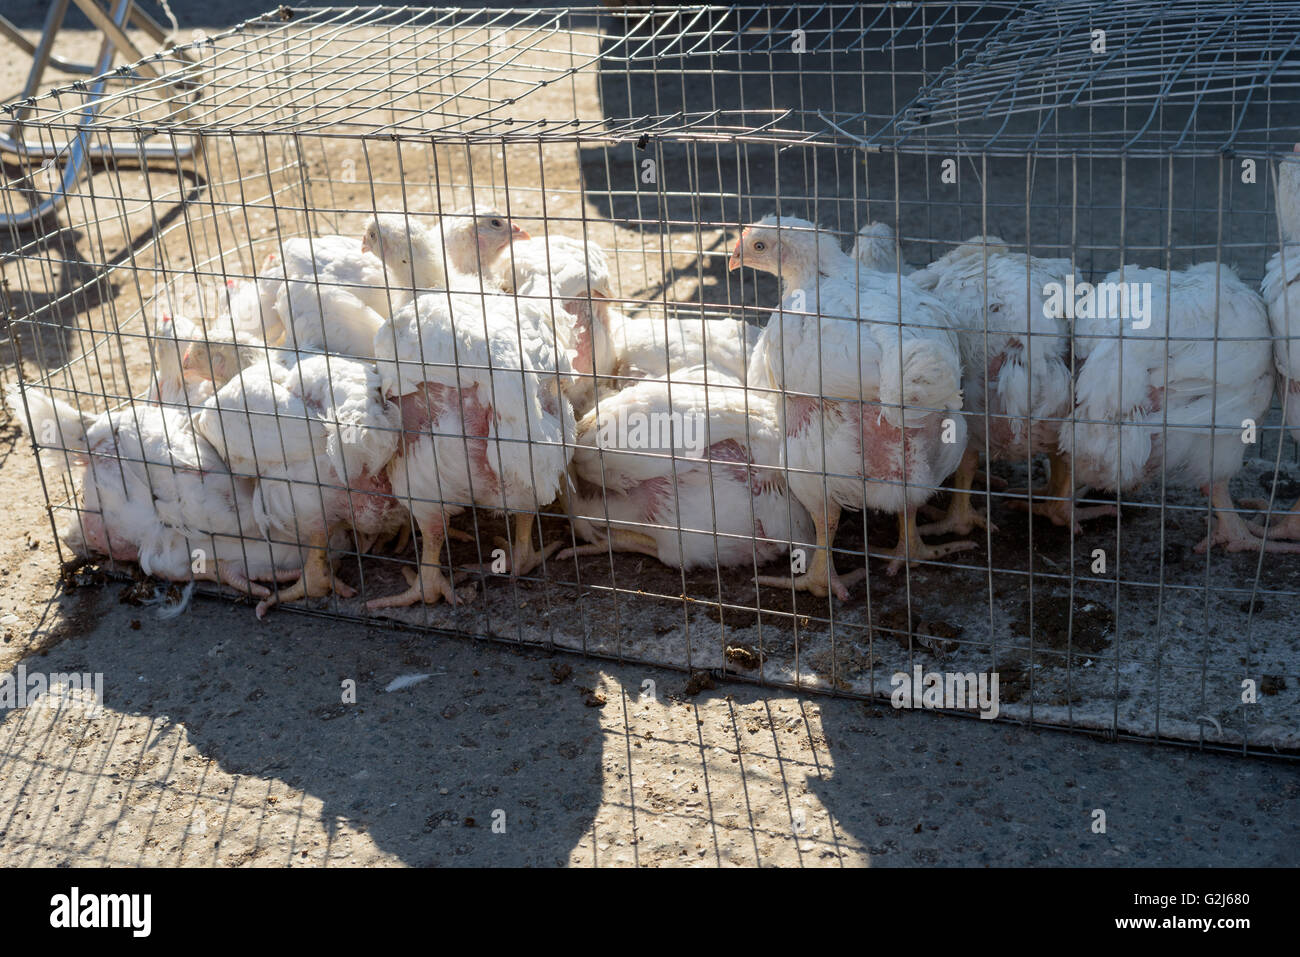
x,y
584,344
653,496
430,402
879,440
370,500
585,360
1153,404
799,412
737,458
97,539
760,481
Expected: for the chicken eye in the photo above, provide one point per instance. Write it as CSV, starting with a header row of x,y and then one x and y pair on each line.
x,y
759,246
496,224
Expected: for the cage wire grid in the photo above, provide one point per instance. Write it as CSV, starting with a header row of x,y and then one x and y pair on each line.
x,y
840,114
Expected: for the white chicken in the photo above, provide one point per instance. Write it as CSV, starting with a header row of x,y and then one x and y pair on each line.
x,y
420,257
154,492
1174,397
871,387
1017,385
687,474
341,263
576,267
575,275
172,384
318,318
611,348
249,313
1281,290
328,318
876,248
484,422
681,348
316,436
282,298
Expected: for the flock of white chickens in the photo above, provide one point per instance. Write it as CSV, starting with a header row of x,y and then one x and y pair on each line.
x,y
360,388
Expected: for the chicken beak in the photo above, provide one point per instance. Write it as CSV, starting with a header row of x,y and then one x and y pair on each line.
x,y
365,245
734,262
517,232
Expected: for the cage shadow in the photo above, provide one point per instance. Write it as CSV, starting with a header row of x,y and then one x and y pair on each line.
x,y
421,770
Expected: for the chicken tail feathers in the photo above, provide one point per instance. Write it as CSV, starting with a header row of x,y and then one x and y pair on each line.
x,y
1117,424
54,426
1029,387
921,378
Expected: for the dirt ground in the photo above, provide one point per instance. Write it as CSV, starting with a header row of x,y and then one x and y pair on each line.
x,y
226,741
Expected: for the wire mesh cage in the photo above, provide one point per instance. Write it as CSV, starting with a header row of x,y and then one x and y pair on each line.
x,y
539,325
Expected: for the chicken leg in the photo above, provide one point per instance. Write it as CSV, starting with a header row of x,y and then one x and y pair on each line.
x,y
317,578
232,574
620,540
430,585
820,579
524,556
1060,493
910,548
1230,529
961,517
1288,527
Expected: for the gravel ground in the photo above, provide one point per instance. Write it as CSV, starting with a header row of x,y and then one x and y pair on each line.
x,y
225,741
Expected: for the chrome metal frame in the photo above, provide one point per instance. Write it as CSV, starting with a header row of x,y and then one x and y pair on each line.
x,y
111,23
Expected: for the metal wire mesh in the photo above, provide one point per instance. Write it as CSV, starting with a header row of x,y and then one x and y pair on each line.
x,y
650,138
1150,78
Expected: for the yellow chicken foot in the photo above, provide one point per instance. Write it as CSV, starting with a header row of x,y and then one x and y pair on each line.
x,y
961,516
620,540
522,556
232,574
1288,527
317,578
234,578
910,548
1060,507
430,585
1230,529
820,579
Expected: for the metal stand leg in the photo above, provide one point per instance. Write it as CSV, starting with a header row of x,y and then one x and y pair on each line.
x,y
138,17
17,39
80,151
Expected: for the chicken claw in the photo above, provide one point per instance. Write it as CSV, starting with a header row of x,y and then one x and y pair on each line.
x,y
316,581
910,548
